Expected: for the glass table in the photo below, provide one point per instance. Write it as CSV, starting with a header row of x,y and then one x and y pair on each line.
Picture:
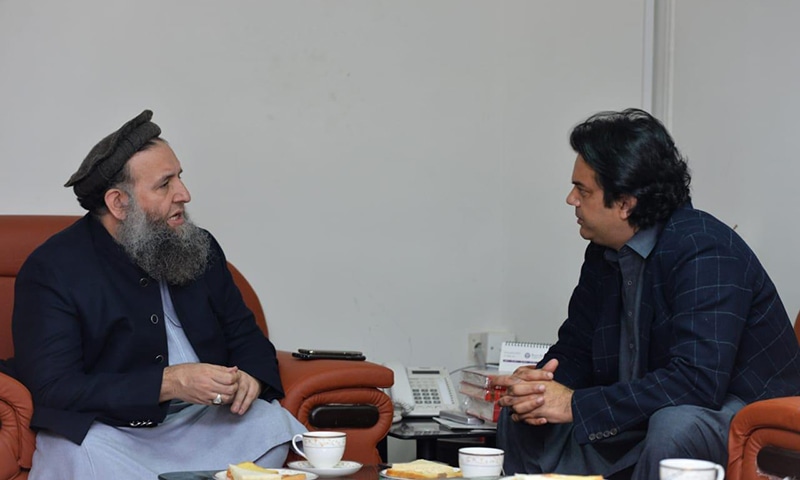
x,y
426,432
367,472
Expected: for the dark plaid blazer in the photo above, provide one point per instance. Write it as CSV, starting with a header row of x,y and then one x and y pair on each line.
x,y
711,324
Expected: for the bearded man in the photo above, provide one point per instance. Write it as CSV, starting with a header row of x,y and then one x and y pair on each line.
x,y
131,336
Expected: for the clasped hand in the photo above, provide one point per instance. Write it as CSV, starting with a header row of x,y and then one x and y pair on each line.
x,y
202,382
534,397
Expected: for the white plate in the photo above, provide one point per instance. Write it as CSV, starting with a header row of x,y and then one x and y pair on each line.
x,y
384,475
223,475
345,467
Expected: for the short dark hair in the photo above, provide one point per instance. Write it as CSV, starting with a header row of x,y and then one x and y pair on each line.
x,y
633,154
96,202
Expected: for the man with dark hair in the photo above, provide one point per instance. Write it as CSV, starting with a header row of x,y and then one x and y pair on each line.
x,y
674,325
132,337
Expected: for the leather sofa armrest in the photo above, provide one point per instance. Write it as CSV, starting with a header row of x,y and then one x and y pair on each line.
x,y
310,384
303,378
17,440
774,422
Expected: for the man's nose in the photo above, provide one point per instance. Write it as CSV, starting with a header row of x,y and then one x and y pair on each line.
x,y
182,195
572,198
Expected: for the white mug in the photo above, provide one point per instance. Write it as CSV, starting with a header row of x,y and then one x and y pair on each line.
x,y
480,462
689,469
321,449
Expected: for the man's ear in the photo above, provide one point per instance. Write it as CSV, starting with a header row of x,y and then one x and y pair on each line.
x,y
626,205
117,203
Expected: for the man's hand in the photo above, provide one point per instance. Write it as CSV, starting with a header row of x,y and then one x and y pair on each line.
x,y
249,390
534,397
201,383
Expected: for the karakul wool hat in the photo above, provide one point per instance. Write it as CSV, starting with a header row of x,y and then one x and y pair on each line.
x,y
108,157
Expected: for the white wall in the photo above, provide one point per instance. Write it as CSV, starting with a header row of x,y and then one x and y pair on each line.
x,y
734,112
389,175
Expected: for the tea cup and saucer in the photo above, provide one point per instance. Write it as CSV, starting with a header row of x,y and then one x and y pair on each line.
x,y
323,453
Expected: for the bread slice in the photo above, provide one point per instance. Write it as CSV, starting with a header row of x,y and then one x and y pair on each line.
x,y
248,471
251,471
293,476
422,469
254,468
556,476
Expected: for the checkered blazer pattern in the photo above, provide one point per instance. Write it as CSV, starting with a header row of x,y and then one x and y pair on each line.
x,y
711,324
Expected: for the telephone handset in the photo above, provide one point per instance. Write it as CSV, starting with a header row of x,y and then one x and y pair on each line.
x,y
422,391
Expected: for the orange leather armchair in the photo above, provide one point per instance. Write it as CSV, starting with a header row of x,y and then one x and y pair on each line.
x,y
322,394
764,439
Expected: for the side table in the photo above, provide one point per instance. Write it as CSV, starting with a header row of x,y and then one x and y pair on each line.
x,y
426,432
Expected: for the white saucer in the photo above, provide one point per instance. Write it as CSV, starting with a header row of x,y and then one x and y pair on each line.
x,y
223,475
345,467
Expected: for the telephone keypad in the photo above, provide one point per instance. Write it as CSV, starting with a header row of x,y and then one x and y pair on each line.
x,y
426,392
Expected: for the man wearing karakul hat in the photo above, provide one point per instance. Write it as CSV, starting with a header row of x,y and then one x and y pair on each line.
x,y
137,348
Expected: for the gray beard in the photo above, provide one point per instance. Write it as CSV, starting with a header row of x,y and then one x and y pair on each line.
x,y
176,256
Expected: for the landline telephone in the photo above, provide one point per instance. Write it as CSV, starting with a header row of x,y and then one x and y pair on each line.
x,y
422,391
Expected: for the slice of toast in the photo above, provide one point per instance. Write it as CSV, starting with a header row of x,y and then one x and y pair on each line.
x,y
422,470
293,476
251,471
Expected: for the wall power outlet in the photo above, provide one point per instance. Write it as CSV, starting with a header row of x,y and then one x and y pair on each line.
x,y
484,347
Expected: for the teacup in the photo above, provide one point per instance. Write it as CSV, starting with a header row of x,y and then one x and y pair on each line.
x,y
321,449
689,469
480,461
